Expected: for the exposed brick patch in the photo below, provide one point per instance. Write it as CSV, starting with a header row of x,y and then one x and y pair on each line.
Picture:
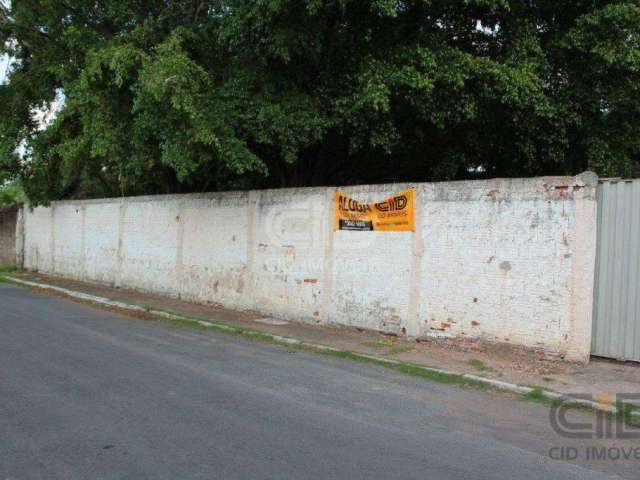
x,y
8,217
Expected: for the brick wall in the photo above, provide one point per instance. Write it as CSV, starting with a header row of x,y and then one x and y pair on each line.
x,y
509,260
8,218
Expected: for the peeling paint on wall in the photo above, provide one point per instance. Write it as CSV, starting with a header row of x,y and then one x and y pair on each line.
x,y
492,259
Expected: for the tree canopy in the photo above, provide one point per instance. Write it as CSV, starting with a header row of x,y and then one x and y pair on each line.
x,y
161,96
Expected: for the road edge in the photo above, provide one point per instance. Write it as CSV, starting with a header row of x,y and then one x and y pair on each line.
x,y
437,374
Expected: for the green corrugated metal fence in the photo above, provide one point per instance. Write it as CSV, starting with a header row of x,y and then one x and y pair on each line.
x,y
616,321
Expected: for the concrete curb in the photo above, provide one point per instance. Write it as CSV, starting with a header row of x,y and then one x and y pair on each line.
x,y
496,384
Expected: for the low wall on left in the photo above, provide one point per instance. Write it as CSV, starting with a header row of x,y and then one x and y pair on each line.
x,y
8,222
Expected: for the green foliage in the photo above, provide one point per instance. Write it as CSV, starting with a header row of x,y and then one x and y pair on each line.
x,y
167,96
10,194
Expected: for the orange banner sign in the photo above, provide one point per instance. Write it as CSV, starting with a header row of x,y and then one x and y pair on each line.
x,y
395,214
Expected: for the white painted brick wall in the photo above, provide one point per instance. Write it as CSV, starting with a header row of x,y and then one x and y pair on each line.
x,y
38,239
101,232
505,260
214,248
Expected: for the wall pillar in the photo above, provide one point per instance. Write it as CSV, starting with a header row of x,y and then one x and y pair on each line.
x,y
20,237
120,251
583,268
327,260
252,206
413,329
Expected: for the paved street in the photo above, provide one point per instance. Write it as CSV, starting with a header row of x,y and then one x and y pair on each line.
x,y
88,394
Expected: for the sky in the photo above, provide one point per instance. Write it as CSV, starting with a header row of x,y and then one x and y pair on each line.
x,y
4,61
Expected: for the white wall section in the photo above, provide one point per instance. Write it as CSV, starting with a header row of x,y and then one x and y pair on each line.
x,y
508,260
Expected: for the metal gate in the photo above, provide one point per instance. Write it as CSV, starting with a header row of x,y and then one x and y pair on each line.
x,y
616,319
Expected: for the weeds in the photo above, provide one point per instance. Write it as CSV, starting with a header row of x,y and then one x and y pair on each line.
x,y
397,350
480,365
381,343
8,269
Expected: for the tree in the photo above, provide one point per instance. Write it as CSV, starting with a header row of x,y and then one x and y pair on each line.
x,y
10,194
175,96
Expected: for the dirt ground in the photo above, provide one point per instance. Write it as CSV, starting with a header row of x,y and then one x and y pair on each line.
x,y
600,377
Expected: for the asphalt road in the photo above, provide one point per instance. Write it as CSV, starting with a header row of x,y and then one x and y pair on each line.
x,y
88,394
